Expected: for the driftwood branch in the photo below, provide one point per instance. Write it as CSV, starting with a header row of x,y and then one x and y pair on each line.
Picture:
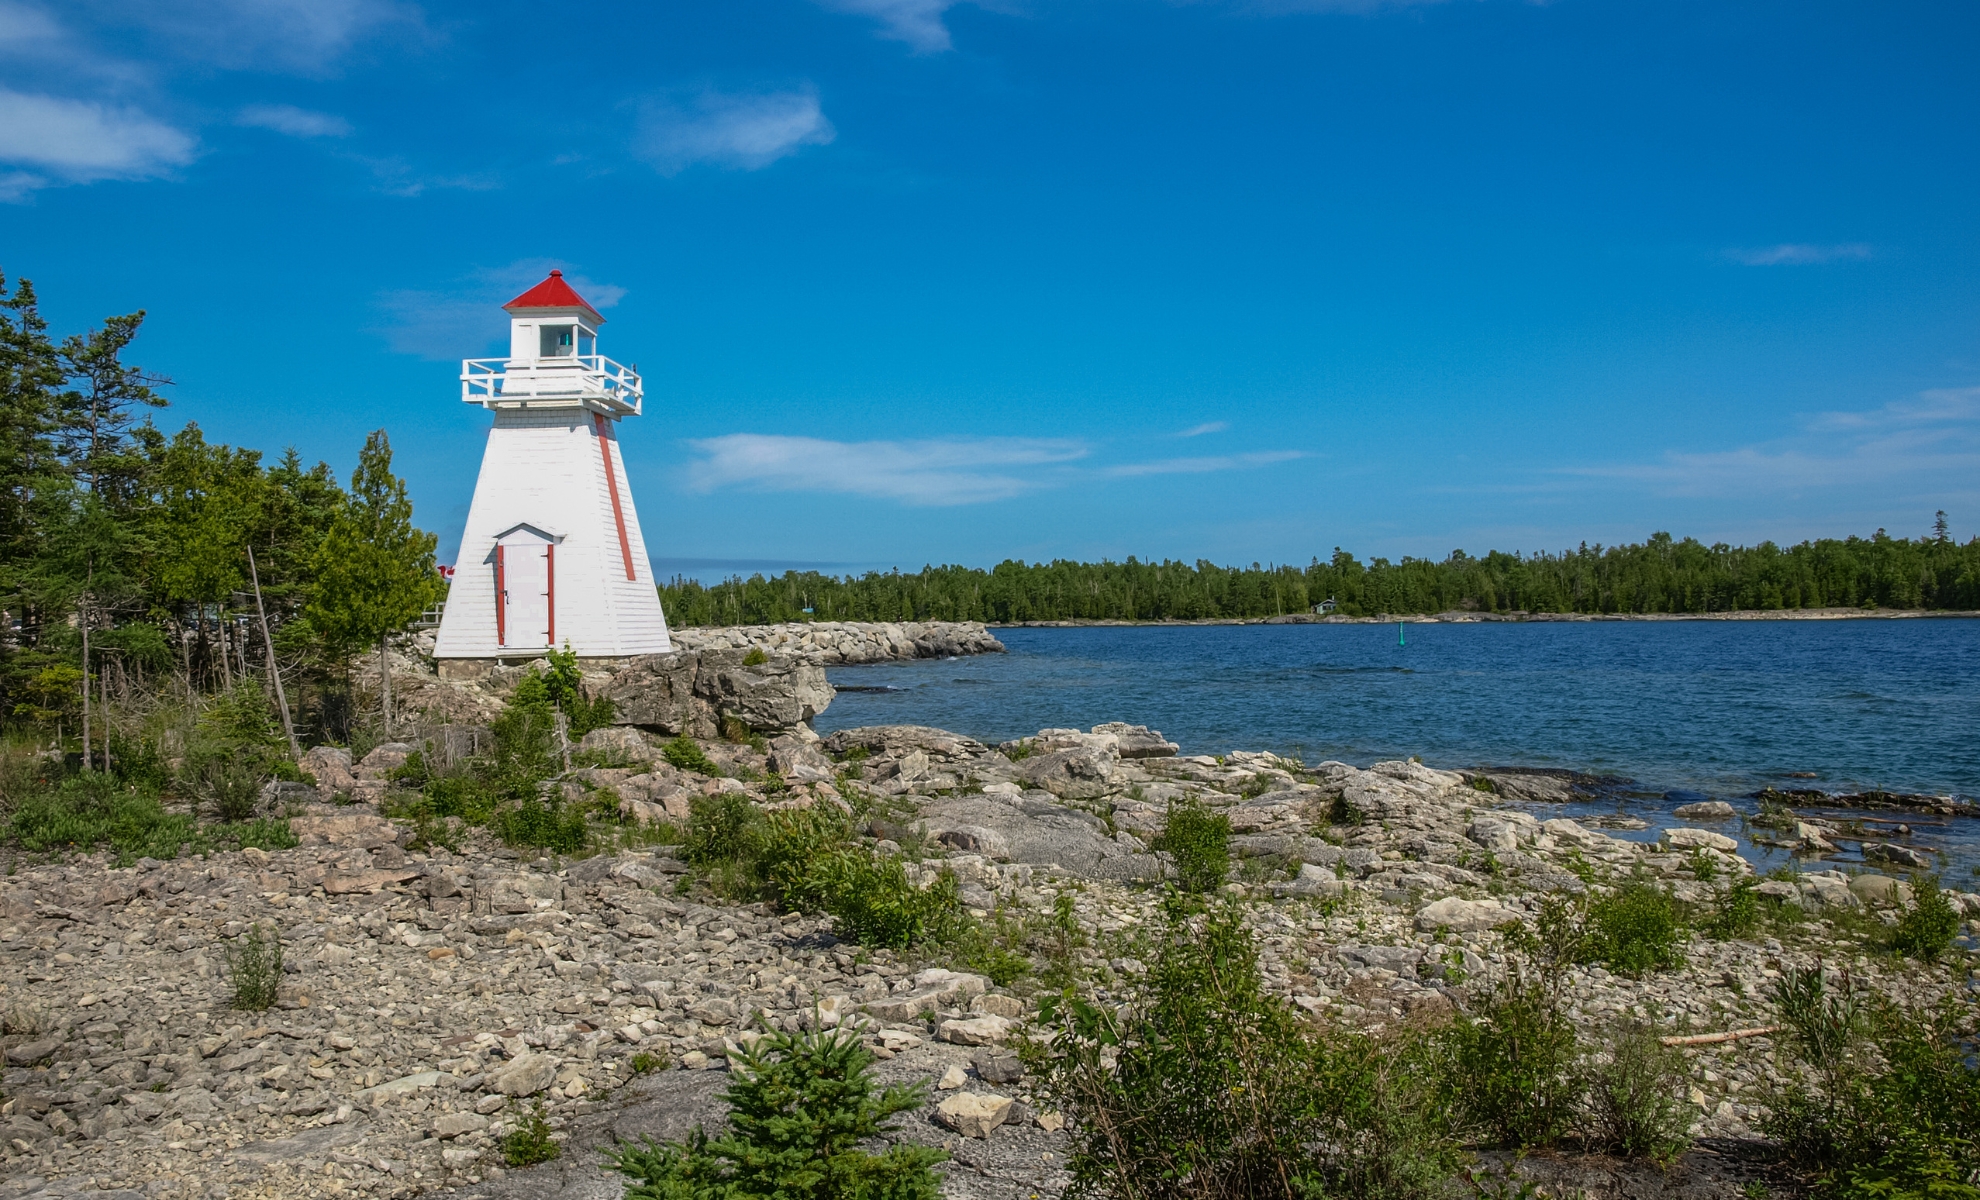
x,y
1713,1039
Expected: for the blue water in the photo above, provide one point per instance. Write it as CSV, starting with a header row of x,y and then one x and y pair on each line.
x,y
1717,709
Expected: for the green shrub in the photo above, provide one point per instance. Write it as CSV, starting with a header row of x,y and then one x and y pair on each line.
x,y
1637,929
1200,842
721,829
1889,1098
873,903
254,970
685,755
1512,1074
755,658
1206,1085
530,1143
1927,926
1635,1096
645,1063
1738,911
799,1110
535,824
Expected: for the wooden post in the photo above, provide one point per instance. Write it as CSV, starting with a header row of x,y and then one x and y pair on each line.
x,y
281,698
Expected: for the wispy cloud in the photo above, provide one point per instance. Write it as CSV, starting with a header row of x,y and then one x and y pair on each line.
x,y
746,130
1925,445
1205,464
1274,8
1206,427
296,122
460,322
55,140
303,37
397,177
916,22
1798,254
935,472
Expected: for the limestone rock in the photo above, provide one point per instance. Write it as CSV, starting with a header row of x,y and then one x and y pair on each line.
x,y
453,1125
1137,741
526,1075
619,742
1692,839
1880,889
331,766
897,741
973,1114
1081,773
1705,810
1463,915
349,883
1897,856
343,827
974,839
933,990
985,1030
692,693
800,761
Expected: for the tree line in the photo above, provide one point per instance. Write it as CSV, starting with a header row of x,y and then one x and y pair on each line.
x,y
1660,575
136,564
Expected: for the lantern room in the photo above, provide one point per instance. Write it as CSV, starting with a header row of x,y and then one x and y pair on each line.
x,y
553,359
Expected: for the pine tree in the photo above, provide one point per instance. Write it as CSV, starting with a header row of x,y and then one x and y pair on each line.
x,y
374,570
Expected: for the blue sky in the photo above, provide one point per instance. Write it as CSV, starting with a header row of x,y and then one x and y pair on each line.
x,y
915,281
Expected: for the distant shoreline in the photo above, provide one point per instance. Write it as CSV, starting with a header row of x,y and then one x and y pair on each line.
x,y
1460,617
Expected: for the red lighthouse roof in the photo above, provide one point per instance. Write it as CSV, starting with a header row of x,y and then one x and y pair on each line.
x,y
553,292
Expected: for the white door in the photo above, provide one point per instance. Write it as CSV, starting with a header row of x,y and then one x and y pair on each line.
x,y
526,575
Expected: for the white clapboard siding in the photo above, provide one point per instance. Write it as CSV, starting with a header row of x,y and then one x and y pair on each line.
x,y
542,470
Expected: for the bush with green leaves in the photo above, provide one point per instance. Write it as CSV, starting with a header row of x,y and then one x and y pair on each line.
x,y
800,1108
254,969
1635,1096
685,754
1927,926
1737,912
1513,1074
1636,929
1200,843
530,1141
1205,1085
90,809
1887,1100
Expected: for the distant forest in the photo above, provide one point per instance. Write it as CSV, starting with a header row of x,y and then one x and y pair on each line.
x,y
1661,575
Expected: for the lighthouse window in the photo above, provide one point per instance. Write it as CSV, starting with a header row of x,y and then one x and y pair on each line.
x,y
557,341
587,341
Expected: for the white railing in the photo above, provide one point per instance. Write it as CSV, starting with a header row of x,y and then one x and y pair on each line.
x,y
504,382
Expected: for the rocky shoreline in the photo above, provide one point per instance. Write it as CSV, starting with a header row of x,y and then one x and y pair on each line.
x,y
429,996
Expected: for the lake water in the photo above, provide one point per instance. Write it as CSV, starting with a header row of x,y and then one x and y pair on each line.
x,y
1718,709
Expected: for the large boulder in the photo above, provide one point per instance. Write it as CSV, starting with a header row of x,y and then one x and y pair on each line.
x,y
1138,741
898,741
694,693
1081,773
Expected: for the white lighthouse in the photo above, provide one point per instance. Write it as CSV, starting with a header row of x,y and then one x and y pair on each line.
x,y
553,552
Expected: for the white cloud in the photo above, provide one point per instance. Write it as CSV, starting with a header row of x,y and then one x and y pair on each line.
x,y
296,122
936,472
744,130
1796,254
1203,465
1912,447
301,36
75,141
22,26
916,22
464,321
1206,427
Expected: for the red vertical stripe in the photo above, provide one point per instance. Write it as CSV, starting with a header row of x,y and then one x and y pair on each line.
x,y
501,600
612,485
550,589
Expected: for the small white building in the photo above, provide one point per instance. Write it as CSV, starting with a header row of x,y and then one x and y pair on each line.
x,y
553,553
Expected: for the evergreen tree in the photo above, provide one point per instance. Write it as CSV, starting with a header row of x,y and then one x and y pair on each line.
x,y
374,570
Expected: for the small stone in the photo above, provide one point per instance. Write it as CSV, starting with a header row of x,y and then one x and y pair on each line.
x,y
1700,839
998,1006
952,1079
1463,915
525,1076
1705,810
490,1104
454,1125
973,1114
459,1157
694,1060
992,1067
1051,1122
976,1031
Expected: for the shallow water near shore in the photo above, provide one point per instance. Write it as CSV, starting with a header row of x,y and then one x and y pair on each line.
x,y
1715,710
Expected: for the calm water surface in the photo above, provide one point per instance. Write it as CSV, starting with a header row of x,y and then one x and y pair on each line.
x,y
1714,708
